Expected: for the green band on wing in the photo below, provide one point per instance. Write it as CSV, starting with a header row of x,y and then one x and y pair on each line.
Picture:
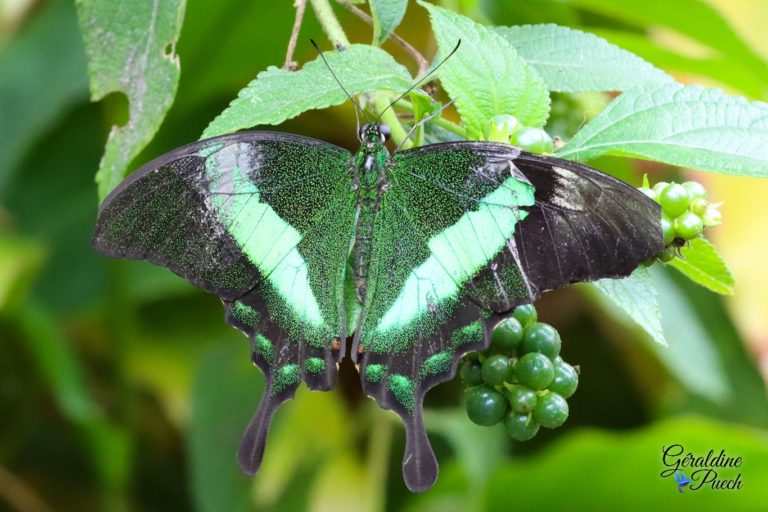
x,y
436,364
402,388
459,252
314,365
268,240
285,377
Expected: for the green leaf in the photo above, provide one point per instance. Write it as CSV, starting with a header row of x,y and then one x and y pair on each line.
x,y
637,297
224,396
42,73
718,67
702,22
581,465
702,264
132,52
20,262
574,61
688,126
276,95
486,76
387,15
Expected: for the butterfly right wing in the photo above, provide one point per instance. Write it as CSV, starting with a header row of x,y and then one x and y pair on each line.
x,y
264,221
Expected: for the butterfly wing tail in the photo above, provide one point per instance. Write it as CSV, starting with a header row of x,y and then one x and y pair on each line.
x,y
251,450
419,463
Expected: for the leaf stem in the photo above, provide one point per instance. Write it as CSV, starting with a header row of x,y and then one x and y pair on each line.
x,y
439,121
330,24
291,64
405,45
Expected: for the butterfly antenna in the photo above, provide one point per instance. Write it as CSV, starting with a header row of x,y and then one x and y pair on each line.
x,y
420,81
352,98
423,122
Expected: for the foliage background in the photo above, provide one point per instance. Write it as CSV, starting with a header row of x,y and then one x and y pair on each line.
x,y
122,389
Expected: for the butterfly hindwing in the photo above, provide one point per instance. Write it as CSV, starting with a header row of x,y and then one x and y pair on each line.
x,y
264,221
446,265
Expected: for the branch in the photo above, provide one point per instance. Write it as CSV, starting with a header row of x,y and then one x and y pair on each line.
x,y
405,45
290,64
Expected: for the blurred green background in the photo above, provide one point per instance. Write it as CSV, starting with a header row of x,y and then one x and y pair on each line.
x,y
121,388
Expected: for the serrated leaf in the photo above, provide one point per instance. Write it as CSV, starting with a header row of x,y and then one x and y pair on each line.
x,y
688,126
570,60
387,15
486,76
702,22
132,52
702,264
276,95
637,297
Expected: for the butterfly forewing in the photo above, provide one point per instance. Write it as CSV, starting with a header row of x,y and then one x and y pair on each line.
x,y
264,221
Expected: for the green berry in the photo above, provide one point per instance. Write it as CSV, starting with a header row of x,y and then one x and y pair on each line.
x,y
507,335
501,127
541,337
521,427
712,217
525,314
470,373
495,369
674,200
522,399
667,229
534,140
649,192
551,410
485,406
566,380
659,187
695,190
668,254
534,370
688,226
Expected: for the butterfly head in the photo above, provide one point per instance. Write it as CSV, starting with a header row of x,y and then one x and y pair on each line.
x,y
373,133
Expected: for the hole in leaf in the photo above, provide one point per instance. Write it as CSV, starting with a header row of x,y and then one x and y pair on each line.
x,y
169,49
116,108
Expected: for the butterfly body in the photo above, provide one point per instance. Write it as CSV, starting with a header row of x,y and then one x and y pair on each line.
x,y
413,256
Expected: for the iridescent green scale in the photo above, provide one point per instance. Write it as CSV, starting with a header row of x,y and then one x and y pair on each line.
x,y
411,258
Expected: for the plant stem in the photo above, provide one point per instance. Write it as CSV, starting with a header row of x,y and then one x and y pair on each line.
x,y
290,64
439,121
405,45
330,24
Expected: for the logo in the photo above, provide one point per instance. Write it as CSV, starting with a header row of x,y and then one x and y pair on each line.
x,y
714,471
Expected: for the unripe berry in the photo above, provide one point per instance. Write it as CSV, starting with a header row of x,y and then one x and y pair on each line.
x,y
657,188
500,128
566,380
521,427
485,406
674,200
534,140
535,371
551,410
470,373
695,190
543,338
688,226
668,254
495,369
667,229
525,314
522,399
507,335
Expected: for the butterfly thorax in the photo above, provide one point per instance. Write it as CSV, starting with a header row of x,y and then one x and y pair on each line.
x,y
370,183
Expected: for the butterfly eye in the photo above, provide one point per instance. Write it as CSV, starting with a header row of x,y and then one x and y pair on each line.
x,y
385,131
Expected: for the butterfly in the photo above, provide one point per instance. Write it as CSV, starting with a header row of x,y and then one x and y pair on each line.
x,y
408,260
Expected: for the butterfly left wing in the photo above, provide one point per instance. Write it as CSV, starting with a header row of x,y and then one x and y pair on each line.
x,y
461,238
264,221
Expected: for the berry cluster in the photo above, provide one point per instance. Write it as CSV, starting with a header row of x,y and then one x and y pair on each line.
x,y
506,128
521,379
686,211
